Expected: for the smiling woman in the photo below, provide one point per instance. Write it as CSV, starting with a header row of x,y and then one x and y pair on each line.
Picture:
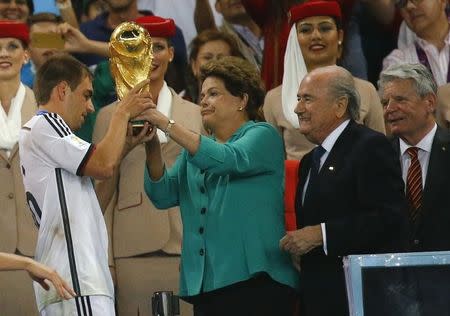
x,y
230,191
315,41
17,10
18,105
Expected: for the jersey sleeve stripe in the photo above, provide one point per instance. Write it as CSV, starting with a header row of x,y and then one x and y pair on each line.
x,y
53,125
61,123
90,151
62,126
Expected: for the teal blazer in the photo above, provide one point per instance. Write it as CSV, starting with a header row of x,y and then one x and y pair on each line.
x,y
231,201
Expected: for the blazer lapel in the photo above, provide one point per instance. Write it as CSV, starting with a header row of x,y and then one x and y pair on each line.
x,y
337,155
437,166
333,162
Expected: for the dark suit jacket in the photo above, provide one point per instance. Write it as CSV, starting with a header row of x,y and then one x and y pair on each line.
x,y
431,230
359,195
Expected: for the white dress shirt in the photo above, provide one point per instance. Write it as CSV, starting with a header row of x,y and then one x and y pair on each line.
x,y
423,155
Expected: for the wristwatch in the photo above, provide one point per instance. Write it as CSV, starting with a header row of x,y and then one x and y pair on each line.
x,y
168,127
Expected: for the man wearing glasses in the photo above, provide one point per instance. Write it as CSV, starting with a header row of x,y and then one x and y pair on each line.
x,y
428,21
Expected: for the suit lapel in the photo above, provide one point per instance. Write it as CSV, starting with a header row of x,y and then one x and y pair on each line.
x,y
332,164
337,155
438,165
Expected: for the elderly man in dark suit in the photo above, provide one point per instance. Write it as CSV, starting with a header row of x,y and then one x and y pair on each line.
x,y
350,197
408,94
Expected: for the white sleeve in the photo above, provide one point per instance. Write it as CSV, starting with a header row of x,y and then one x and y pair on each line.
x,y
58,146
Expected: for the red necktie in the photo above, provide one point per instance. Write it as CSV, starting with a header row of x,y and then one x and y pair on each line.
x,y
414,183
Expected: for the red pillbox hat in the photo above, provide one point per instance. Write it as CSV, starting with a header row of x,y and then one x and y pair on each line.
x,y
157,26
314,8
19,30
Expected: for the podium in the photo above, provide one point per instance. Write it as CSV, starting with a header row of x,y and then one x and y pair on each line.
x,y
399,284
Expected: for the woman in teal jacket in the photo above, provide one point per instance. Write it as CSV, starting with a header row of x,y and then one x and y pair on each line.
x,y
230,191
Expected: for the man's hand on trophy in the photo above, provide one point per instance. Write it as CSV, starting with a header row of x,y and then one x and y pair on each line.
x,y
138,136
136,101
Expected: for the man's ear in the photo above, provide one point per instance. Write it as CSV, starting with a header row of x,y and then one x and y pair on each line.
x,y
341,106
60,90
430,102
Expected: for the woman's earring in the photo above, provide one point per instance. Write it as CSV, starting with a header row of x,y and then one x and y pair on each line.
x,y
340,42
240,108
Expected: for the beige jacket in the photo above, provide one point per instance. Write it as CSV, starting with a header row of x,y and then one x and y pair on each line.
x,y
135,226
296,145
17,229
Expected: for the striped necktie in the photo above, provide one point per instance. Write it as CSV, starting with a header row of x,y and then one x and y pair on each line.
x,y
414,183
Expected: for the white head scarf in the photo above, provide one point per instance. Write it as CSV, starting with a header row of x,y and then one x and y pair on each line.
x,y
11,122
294,72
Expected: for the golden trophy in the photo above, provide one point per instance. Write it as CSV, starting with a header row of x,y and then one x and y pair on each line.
x,y
131,58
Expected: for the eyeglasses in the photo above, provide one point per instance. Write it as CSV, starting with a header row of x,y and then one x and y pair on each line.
x,y
400,4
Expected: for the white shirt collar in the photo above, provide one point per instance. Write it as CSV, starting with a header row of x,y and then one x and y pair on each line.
x,y
424,144
329,141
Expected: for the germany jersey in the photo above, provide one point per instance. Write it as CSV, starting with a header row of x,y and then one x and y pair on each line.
x,y
72,233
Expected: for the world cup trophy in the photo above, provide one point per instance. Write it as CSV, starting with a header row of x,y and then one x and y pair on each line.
x,y
131,52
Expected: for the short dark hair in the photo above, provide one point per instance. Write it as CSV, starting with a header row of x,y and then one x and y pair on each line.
x,y
239,77
57,69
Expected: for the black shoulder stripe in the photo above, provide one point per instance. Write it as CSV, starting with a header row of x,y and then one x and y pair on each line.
x,y
53,125
54,117
62,123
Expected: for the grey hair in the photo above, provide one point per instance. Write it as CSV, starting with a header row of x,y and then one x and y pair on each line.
x,y
418,73
343,85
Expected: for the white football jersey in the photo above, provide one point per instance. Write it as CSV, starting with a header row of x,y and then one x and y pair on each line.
x,y
72,233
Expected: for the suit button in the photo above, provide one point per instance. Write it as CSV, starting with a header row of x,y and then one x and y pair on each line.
x,y
202,189
11,195
201,252
201,230
203,210
416,241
